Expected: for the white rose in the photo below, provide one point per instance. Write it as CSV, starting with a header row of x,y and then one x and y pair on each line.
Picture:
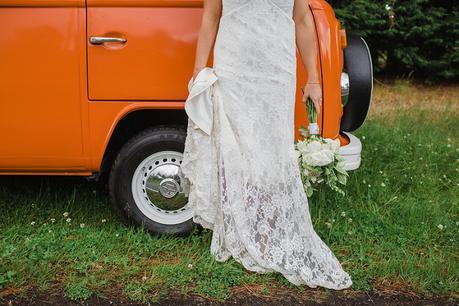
x,y
327,157
321,158
313,146
332,144
301,146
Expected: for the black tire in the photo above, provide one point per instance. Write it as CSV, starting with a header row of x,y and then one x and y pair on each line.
x,y
136,150
358,65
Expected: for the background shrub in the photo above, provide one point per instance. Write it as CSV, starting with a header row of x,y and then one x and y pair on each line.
x,y
422,40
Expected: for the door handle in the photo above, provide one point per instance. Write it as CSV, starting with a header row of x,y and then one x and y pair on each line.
x,y
99,40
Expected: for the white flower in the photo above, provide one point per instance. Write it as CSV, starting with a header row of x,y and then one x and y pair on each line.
x,y
363,137
349,220
103,220
68,220
32,223
53,220
343,214
383,185
300,146
313,146
81,225
440,226
66,214
331,144
319,158
317,155
190,266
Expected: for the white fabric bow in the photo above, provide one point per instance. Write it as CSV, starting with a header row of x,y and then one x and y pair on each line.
x,y
198,105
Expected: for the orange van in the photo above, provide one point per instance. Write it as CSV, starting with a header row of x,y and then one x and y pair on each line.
x,y
97,88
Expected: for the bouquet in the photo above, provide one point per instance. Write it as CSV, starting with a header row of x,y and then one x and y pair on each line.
x,y
318,157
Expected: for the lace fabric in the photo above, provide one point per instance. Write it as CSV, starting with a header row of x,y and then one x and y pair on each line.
x,y
243,179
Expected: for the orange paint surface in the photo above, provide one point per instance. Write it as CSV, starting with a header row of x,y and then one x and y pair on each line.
x,y
61,97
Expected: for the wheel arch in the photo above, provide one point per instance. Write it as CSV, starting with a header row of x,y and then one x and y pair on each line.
x,y
130,123
330,50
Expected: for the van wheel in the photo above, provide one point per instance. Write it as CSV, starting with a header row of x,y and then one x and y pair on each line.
x,y
144,182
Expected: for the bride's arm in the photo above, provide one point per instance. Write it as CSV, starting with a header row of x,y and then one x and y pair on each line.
x,y
305,32
207,33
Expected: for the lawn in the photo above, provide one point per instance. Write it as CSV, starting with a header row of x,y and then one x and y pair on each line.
x,y
396,229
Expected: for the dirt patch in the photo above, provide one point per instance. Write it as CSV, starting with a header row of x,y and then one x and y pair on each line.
x,y
246,295
389,98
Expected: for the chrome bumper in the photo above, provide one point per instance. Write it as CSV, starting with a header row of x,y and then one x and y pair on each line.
x,y
345,85
351,152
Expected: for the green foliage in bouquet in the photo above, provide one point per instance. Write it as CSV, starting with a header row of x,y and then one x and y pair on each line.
x,y
319,159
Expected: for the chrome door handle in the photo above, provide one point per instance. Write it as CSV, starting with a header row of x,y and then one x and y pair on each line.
x,y
99,40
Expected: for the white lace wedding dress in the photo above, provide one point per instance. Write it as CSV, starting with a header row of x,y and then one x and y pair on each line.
x,y
243,179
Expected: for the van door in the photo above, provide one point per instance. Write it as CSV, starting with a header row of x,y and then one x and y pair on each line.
x,y
141,49
42,51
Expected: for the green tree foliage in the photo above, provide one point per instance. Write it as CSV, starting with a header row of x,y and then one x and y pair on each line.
x,y
422,38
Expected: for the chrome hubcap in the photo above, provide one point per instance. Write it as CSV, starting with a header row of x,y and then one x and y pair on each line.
x,y
157,190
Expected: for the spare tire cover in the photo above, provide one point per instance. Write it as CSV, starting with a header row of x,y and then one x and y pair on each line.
x,y
358,65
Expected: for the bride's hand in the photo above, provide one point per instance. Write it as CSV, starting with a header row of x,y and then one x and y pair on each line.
x,y
314,91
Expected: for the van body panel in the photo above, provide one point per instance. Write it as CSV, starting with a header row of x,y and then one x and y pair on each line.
x,y
155,61
330,53
42,3
62,97
42,117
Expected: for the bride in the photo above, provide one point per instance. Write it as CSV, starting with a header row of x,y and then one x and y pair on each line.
x,y
239,167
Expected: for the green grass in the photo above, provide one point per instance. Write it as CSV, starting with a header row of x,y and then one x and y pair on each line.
x,y
397,226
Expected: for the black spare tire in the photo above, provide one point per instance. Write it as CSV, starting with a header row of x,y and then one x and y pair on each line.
x,y
358,65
